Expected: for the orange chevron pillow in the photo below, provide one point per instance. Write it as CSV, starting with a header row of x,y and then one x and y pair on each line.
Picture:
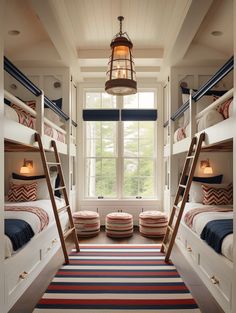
x,y
20,193
217,195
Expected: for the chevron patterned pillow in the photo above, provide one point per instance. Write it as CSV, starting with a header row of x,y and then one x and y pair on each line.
x,y
217,196
20,193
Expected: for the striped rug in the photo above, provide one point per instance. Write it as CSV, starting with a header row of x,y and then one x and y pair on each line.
x,y
117,278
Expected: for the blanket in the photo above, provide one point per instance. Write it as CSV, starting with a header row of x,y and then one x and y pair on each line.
x,y
19,232
189,216
40,213
215,231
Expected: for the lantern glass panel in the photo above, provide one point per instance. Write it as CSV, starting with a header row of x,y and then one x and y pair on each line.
x,y
121,52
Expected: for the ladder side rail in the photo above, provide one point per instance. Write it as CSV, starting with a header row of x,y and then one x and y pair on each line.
x,y
185,196
62,183
182,181
51,193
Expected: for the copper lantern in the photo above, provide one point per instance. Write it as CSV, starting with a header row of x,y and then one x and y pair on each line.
x,y
121,76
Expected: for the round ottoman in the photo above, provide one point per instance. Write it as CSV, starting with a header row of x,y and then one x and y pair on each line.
x,y
119,225
87,223
153,223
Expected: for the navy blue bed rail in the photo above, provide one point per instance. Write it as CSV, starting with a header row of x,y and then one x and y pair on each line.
x,y
221,73
28,84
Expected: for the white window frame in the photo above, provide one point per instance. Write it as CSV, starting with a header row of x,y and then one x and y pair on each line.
x,y
95,202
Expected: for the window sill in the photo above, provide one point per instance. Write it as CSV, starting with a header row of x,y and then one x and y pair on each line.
x,y
120,202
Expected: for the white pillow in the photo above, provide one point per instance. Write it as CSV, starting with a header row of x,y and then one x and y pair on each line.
x,y
211,117
200,105
204,103
196,192
42,189
53,117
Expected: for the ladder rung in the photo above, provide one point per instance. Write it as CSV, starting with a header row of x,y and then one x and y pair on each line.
x,y
190,157
183,186
59,188
165,246
68,232
53,163
63,208
170,228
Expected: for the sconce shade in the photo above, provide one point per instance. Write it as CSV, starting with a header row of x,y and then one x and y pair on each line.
x,y
121,76
208,170
24,170
206,166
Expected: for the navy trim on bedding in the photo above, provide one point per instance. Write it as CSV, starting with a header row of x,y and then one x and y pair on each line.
x,y
19,232
215,231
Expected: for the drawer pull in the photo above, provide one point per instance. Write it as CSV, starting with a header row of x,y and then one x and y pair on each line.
x,y
54,241
214,280
23,275
189,249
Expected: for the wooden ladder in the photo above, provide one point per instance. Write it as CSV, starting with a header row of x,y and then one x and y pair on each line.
x,y
63,235
183,189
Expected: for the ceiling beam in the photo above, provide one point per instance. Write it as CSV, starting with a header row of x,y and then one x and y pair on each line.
x,y
105,53
103,69
46,13
191,23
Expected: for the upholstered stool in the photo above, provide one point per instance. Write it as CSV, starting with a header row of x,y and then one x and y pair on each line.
x,y
153,223
87,223
119,225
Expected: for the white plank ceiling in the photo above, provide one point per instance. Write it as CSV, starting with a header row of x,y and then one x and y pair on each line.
x,y
78,33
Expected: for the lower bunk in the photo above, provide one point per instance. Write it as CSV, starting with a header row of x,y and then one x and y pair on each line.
x,y
24,262
214,269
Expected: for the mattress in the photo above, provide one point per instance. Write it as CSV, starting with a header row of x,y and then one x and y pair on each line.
x,y
29,121
32,219
202,219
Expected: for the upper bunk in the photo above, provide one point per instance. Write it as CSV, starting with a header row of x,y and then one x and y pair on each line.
x,y
204,110
36,113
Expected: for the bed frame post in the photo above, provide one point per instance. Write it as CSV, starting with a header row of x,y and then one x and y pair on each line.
x,y
192,114
40,114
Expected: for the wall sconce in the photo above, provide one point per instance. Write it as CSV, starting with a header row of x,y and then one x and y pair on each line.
x,y
205,165
27,166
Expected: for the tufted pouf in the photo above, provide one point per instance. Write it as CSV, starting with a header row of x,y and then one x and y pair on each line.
x,y
153,223
87,223
119,225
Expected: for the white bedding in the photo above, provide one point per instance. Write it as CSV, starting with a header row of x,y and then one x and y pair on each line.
x,y
202,219
32,219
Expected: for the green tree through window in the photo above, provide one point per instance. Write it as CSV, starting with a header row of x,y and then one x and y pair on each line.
x,y
121,153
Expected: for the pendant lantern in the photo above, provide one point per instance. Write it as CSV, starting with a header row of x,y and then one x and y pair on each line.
x,y
121,76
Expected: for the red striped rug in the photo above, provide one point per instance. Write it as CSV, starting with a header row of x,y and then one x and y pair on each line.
x,y
117,278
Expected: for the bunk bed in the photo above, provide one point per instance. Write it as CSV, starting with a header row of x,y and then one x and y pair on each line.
x,y
194,118
28,208
214,266
21,119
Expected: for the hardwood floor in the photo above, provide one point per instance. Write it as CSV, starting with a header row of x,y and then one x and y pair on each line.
x,y
30,298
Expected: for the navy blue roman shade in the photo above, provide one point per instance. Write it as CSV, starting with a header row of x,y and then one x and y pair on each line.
x,y
138,115
116,115
101,115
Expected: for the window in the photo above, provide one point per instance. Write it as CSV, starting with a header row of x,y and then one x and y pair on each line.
x,y
101,159
138,142
120,156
